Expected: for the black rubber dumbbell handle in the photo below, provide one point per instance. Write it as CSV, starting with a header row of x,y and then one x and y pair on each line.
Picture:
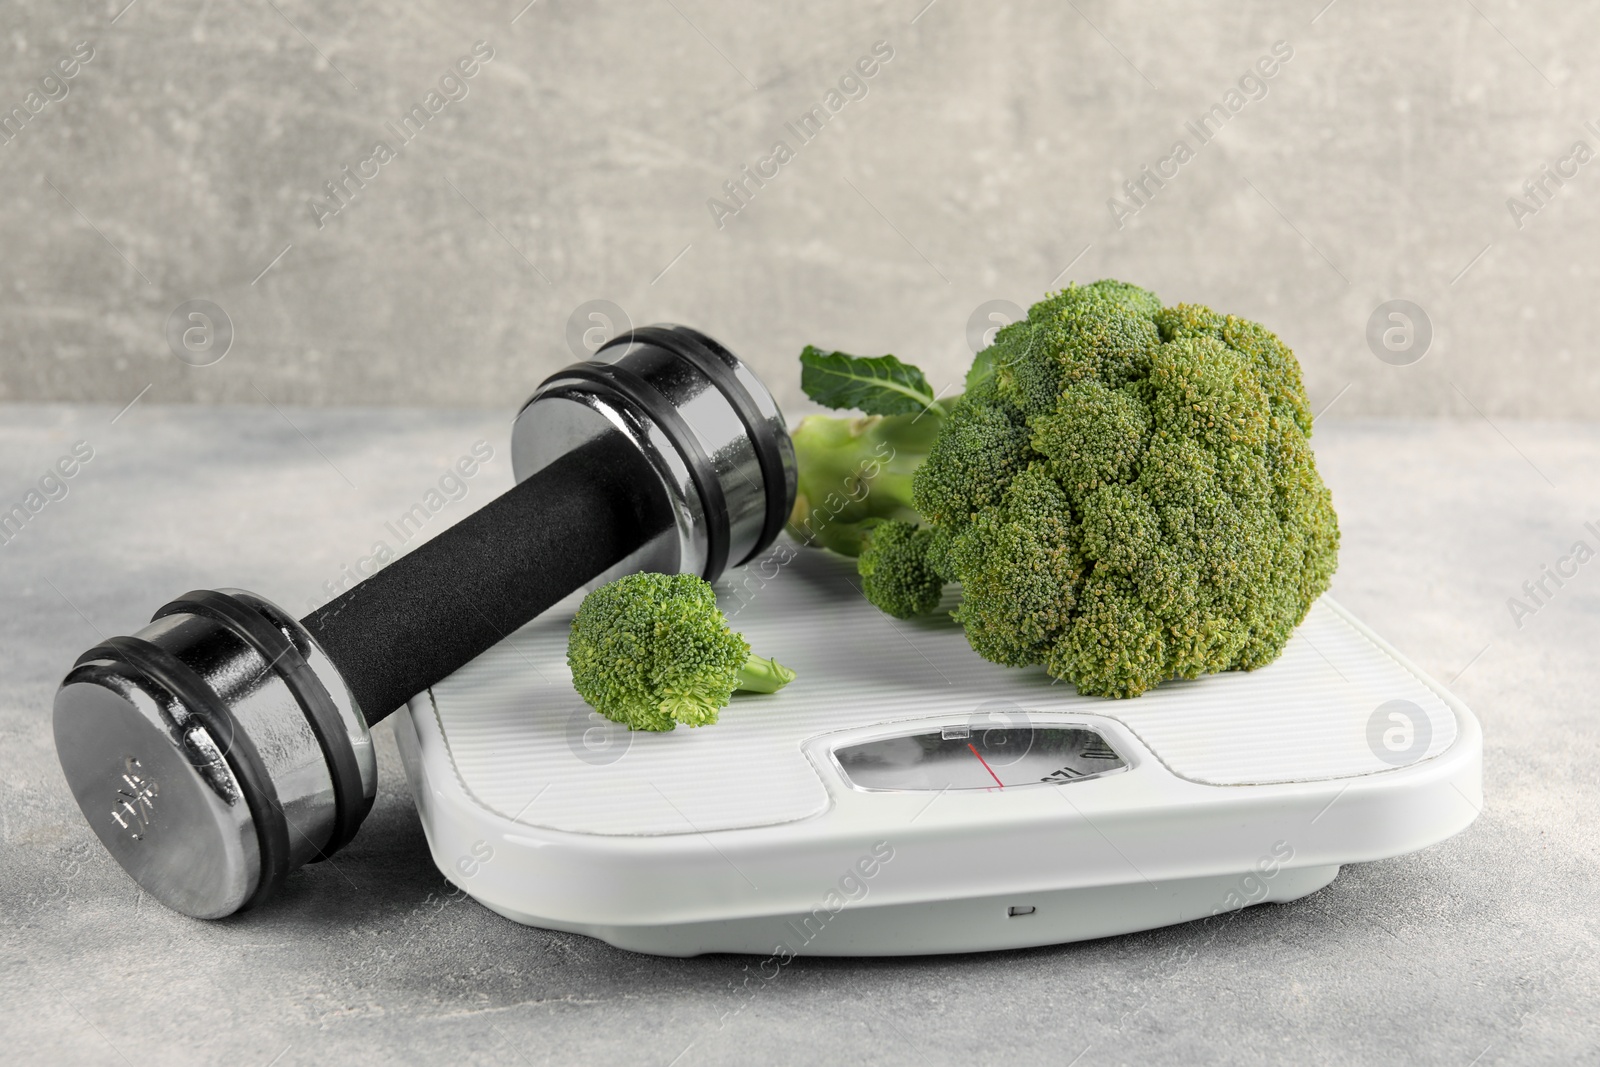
x,y
428,613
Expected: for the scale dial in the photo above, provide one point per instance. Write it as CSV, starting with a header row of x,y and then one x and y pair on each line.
x,y
976,757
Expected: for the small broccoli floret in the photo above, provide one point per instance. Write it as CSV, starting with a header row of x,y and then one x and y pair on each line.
x,y
981,447
653,651
896,576
1020,568
1094,436
1188,320
1278,369
1102,331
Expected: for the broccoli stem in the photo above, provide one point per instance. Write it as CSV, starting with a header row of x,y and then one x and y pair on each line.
x,y
854,472
762,675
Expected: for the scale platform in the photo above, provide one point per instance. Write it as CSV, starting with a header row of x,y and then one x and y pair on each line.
x,y
904,796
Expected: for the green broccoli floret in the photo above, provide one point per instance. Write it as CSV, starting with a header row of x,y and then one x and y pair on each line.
x,y
895,573
1129,495
981,446
1020,570
653,651
1104,332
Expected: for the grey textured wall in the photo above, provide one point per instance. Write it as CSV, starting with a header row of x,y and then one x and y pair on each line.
x,y
1375,164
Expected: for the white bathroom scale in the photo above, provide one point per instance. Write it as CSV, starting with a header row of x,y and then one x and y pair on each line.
x,y
905,796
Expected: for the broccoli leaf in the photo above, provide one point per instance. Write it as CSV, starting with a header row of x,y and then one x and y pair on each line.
x,y
874,385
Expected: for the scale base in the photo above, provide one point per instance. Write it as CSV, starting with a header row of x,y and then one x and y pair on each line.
x,y
856,812
977,924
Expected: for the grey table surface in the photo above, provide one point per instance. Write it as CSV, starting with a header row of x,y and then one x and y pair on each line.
x,y
1477,951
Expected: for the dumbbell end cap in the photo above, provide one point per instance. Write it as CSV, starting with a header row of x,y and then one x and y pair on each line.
x,y
706,423
167,820
214,751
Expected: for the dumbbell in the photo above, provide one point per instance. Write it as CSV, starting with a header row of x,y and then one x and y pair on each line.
x,y
226,743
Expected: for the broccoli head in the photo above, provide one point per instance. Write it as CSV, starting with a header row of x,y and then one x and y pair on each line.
x,y
1125,493
653,651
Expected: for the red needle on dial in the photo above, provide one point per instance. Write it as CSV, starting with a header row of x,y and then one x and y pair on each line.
x,y
986,766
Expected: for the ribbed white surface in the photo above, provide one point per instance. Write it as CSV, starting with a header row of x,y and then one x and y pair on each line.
x,y
515,726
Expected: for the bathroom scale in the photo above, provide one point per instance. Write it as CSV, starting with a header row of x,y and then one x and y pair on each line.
x,y
905,796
